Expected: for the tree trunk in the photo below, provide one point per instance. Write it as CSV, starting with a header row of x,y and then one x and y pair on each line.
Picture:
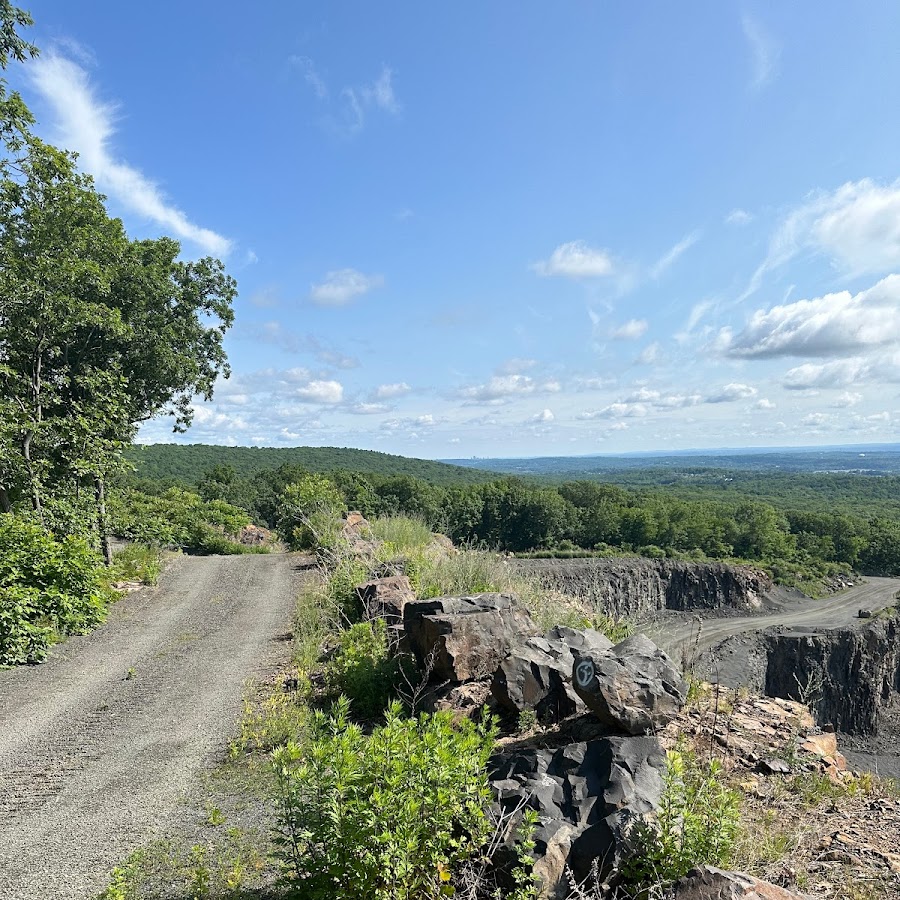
x,y
32,478
5,505
102,525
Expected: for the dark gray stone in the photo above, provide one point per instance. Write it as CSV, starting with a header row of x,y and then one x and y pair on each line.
x,y
537,674
469,636
588,796
634,688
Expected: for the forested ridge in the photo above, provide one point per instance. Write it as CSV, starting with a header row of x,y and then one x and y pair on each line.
x,y
189,462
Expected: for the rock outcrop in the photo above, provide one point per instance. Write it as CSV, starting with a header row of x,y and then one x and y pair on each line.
x,y
386,598
537,675
465,637
635,587
633,687
708,883
848,676
587,795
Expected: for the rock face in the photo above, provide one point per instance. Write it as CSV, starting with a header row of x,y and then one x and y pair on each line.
x,y
634,687
469,636
588,795
635,587
708,883
537,674
851,675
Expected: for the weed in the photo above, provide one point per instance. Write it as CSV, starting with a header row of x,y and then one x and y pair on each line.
x,y
214,815
697,822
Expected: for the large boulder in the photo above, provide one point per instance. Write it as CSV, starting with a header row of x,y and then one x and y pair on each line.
x,y
538,673
634,687
588,797
467,637
386,598
708,883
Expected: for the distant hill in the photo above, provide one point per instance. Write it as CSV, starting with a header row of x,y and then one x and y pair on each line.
x,y
188,462
863,459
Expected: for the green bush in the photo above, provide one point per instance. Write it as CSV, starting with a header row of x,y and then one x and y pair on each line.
x,y
401,535
698,823
389,816
362,669
48,589
137,562
309,513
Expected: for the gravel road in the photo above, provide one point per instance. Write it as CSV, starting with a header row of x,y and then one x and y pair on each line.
x,y
839,610
101,743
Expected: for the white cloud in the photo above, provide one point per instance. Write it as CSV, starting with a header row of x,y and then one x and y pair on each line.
x,y
517,365
576,260
815,420
764,403
502,387
342,286
764,51
368,409
617,410
631,330
381,93
311,75
738,217
378,95
733,391
669,258
651,354
846,399
833,325
839,373
390,391
321,392
545,415
857,226
86,125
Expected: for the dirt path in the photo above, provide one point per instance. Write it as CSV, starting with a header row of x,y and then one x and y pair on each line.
x,y
839,610
100,744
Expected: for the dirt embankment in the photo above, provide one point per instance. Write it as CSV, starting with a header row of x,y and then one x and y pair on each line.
x,y
101,744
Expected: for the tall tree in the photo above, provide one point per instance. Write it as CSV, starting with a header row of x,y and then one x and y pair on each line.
x,y
97,333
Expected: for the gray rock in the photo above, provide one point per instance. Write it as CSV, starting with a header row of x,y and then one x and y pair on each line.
x,y
634,687
588,797
469,636
538,673
708,883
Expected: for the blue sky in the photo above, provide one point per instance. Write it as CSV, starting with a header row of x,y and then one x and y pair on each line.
x,y
511,228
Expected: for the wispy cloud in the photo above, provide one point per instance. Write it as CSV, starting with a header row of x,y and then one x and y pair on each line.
x,y
87,125
764,51
378,95
343,285
670,256
311,75
630,330
738,217
576,260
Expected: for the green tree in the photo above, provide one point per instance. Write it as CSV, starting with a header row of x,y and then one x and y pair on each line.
x,y
97,333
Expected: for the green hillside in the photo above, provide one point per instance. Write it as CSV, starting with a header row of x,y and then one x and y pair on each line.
x,y
188,462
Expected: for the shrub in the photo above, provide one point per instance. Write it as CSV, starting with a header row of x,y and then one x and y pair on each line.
x,y
309,513
137,562
698,823
401,535
48,589
363,669
385,816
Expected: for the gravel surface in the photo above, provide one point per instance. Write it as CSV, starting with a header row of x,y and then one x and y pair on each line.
x,y
837,611
101,744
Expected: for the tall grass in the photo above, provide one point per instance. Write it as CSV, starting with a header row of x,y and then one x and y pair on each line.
x,y
402,534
